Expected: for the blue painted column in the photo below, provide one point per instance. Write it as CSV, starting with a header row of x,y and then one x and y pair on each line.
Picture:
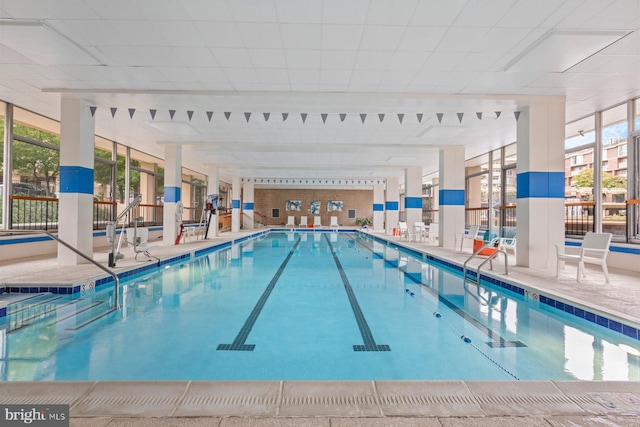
x,y
392,204
451,195
413,195
172,193
378,207
540,183
235,204
75,209
248,214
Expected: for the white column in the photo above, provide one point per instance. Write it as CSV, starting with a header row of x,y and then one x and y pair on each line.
x,y
213,187
413,195
392,204
235,204
451,195
247,205
378,207
540,184
75,209
172,193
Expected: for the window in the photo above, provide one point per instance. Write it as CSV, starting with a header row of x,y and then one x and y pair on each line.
x,y
275,213
351,213
622,150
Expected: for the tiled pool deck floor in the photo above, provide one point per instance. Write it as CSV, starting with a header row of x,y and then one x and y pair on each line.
x,y
344,403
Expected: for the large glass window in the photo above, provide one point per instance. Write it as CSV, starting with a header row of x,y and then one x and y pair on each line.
x,y
614,179
478,187
2,115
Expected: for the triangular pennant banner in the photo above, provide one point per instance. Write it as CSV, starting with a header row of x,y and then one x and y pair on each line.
x,y
498,114
479,116
400,117
227,114
517,114
172,113
132,111
304,117
285,116
266,116
93,110
419,116
440,115
324,117
190,114
153,114
113,111
210,115
460,115
342,117
381,117
246,116
363,117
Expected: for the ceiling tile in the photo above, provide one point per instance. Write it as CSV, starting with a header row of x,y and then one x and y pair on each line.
x,y
93,32
341,36
195,56
209,74
408,60
232,58
219,34
421,38
351,12
461,39
139,33
273,75
437,13
241,75
367,77
304,77
301,36
179,33
115,9
297,58
267,58
260,35
252,11
501,39
338,77
391,12
373,60
338,59
301,11
165,11
443,61
207,10
380,37
483,13
529,14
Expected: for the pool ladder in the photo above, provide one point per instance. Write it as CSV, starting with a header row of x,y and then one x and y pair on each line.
x,y
488,260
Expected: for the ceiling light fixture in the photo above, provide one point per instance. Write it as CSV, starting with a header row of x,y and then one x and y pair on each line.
x,y
43,44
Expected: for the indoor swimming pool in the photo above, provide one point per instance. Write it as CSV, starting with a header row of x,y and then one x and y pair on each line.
x,y
306,306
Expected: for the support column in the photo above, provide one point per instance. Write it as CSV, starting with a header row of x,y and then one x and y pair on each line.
x,y
172,193
213,187
247,206
451,195
235,204
378,207
392,204
75,209
540,184
413,195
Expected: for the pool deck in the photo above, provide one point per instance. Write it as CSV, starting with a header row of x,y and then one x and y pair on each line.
x,y
343,403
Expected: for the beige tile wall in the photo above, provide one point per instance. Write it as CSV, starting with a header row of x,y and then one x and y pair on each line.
x,y
266,199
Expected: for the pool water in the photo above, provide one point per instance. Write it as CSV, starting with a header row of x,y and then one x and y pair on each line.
x,y
306,306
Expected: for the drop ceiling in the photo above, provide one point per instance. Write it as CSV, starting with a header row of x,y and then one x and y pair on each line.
x,y
317,89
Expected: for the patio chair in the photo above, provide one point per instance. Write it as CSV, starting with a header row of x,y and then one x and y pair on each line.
x,y
434,232
405,233
291,221
303,221
469,236
334,222
594,250
421,228
317,223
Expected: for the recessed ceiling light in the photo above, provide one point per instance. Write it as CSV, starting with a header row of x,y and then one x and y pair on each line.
x,y
559,50
43,44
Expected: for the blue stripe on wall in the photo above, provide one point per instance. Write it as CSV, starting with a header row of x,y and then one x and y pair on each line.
x,y
235,204
247,206
172,194
378,207
76,179
392,206
413,202
549,185
451,197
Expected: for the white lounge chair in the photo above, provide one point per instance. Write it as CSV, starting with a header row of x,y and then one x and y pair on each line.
x,y
594,250
334,222
303,221
317,223
469,236
405,233
291,221
434,232
420,229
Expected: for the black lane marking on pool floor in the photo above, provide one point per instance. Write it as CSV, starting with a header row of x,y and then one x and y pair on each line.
x,y
497,340
238,343
365,331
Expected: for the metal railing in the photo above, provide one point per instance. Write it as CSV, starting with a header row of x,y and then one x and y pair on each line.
x,y
578,218
77,252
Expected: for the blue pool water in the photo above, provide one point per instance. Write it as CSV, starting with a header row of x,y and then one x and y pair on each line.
x,y
318,305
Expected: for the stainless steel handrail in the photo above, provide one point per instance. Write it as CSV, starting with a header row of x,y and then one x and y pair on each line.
x,y
68,246
489,259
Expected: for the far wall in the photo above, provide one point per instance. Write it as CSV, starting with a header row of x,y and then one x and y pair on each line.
x,y
267,199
